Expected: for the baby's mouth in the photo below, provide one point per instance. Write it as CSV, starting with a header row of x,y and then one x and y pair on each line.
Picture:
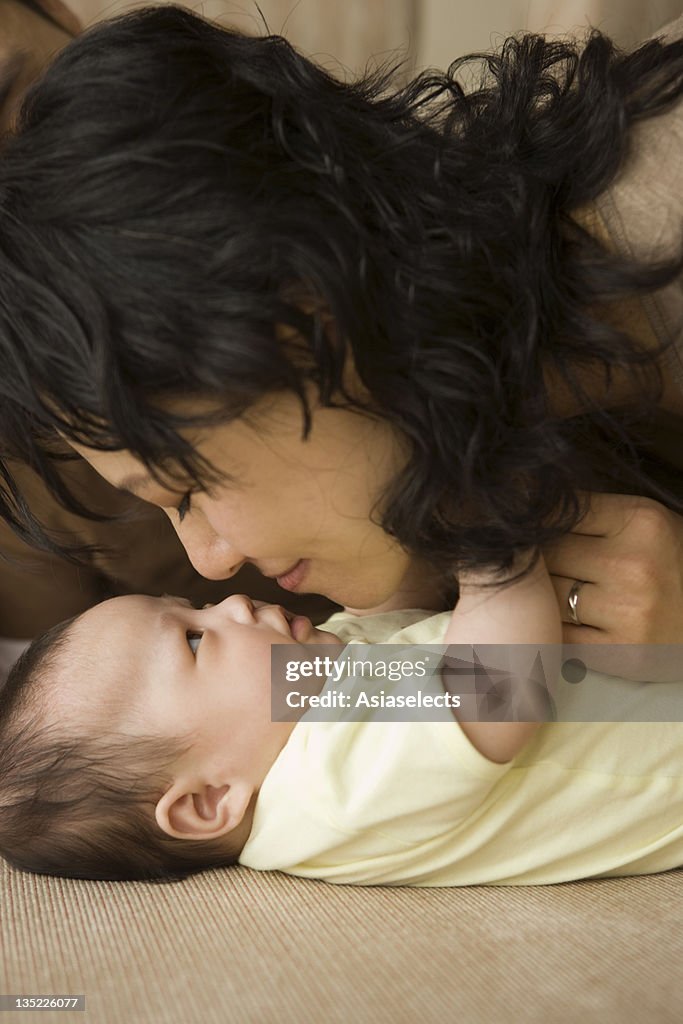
x,y
300,626
283,614
289,619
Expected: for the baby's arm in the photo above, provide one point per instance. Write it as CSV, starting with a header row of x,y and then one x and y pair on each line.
x,y
522,613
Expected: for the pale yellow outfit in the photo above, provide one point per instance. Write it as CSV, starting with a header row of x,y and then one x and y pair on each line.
x,y
414,803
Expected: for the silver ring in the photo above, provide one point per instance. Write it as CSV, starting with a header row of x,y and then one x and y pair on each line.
x,y
573,600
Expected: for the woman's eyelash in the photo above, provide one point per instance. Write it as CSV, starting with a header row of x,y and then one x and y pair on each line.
x,y
193,640
184,507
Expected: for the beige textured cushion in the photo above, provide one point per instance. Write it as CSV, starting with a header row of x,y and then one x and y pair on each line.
x,y
241,946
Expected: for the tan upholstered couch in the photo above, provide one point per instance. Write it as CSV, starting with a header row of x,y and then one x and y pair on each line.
x,y
235,946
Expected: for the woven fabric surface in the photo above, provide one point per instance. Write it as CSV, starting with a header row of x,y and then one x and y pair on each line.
x,y
241,946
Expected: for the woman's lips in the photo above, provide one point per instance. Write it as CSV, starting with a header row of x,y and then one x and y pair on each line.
x,y
294,577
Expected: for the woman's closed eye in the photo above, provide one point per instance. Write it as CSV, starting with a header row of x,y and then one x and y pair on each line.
x,y
184,507
193,640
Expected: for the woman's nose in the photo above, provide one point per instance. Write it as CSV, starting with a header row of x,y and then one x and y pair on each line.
x,y
212,556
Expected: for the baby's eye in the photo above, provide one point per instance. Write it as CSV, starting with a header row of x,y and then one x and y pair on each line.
x,y
193,640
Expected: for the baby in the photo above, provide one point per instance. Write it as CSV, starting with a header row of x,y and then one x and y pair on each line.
x,y
136,741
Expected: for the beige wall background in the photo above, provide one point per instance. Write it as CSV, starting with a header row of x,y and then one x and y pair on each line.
x,y
627,21
449,28
334,32
343,35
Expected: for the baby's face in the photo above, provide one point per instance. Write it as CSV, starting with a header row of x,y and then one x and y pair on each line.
x,y
159,667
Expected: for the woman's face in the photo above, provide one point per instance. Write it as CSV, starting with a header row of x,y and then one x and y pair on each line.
x,y
300,511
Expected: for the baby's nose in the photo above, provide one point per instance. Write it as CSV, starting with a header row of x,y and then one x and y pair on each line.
x,y
239,608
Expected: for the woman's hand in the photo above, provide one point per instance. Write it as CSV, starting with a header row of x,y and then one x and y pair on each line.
x,y
629,551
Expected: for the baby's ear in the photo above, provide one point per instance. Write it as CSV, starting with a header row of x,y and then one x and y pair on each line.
x,y
202,811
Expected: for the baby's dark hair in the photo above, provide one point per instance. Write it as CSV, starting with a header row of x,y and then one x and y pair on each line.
x,y
83,807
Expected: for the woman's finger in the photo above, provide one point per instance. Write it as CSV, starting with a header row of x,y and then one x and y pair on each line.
x,y
588,607
578,557
608,514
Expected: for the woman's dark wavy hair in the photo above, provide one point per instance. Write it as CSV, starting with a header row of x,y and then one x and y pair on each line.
x,y
83,807
177,189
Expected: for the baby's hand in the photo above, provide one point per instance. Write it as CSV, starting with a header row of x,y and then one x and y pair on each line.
x,y
511,626
524,612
